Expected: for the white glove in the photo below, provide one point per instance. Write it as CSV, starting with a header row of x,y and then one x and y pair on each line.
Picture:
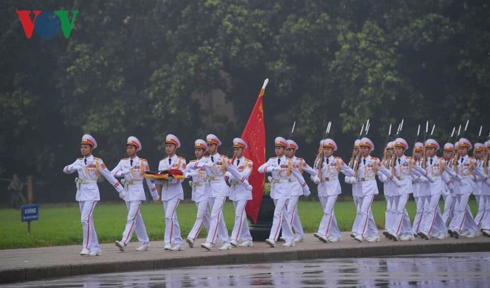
x,y
423,179
122,194
450,186
315,179
155,197
249,187
78,167
487,180
431,179
208,164
397,182
351,180
125,172
457,178
276,168
306,191
270,179
190,183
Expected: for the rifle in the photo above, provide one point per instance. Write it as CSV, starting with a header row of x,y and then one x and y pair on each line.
x,y
358,156
386,144
415,142
354,155
320,149
292,131
424,150
398,131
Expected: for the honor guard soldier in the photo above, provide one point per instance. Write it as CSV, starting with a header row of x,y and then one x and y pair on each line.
x,y
432,223
463,167
172,193
328,191
240,195
200,191
364,175
292,211
132,170
448,194
478,153
355,190
388,186
283,174
89,168
485,222
419,189
215,167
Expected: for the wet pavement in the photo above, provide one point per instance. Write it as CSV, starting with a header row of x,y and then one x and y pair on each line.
x,y
429,270
62,261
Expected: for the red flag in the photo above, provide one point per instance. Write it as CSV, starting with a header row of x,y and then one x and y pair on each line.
x,y
254,135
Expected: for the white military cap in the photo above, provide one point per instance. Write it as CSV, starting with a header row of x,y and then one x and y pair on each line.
x,y
479,147
213,139
357,143
321,142
448,147
239,143
391,145
88,139
432,143
487,144
465,142
172,139
330,143
292,144
419,145
199,143
280,141
367,143
135,142
400,142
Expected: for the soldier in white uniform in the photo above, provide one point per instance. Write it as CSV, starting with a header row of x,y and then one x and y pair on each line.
x,y
132,170
478,153
328,191
215,167
292,211
283,174
89,168
365,172
432,223
485,222
200,191
240,195
172,194
388,187
463,220
418,186
448,197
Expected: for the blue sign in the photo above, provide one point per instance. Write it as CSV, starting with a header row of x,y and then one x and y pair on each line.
x,y
30,213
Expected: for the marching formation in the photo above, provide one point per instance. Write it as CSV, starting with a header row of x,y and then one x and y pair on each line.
x,y
214,178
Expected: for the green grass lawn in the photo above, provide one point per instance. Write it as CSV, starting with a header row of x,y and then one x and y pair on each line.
x,y
60,225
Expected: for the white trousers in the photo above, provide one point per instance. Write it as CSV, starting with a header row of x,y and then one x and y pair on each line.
x,y
400,225
328,225
432,219
448,213
365,225
135,223
485,222
463,219
90,240
293,217
172,227
417,220
203,217
279,221
356,202
390,212
241,230
481,209
217,226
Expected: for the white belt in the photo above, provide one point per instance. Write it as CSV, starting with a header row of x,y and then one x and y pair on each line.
x,y
330,178
195,184
403,177
366,179
215,178
132,182
235,182
283,180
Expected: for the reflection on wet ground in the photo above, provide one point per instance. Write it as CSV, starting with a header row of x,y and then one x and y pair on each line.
x,y
430,270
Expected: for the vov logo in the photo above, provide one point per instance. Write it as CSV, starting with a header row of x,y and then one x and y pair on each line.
x,y
47,24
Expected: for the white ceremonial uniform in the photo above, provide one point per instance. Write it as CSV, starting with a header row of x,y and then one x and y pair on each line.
x,y
172,194
328,190
135,195
389,193
283,176
240,196
297,191
419,188
367,188
200,195
218,193
463,187
478,194
89,168
485,220
432,219
449,197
